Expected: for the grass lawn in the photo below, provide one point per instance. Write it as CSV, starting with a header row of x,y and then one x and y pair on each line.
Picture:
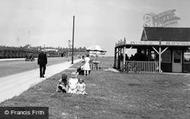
x,y
113,95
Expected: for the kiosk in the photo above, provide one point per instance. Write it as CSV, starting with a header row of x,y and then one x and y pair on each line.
x,y
168,47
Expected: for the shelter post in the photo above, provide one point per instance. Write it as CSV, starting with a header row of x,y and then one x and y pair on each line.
x,y
124,58
116,60
160,59
119,58
115,56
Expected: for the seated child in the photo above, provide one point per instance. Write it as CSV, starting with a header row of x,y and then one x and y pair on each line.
x,y
72,83
80,70
81,86
62,84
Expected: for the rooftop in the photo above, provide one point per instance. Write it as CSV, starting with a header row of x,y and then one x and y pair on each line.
x,y
165,34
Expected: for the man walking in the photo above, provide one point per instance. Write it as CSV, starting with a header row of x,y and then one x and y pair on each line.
x,y
42,61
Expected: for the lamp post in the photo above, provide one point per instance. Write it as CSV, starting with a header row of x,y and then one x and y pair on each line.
x,y
73,33
69,48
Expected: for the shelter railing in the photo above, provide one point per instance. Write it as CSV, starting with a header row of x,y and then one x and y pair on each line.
x,y
140,66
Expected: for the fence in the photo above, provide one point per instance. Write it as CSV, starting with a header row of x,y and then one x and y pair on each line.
x,y
141,66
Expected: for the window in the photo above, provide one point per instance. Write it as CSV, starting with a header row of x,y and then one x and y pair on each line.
x,y
166,56
186,56
177,56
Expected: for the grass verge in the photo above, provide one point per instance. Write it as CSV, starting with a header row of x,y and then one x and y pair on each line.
x,y
113,95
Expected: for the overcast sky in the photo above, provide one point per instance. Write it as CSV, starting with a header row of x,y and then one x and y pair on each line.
x,y
98,22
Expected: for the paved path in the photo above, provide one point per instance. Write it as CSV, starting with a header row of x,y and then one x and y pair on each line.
x,y
14,85
11,59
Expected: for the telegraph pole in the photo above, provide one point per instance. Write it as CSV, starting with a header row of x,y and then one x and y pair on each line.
x,y
73,39
69,48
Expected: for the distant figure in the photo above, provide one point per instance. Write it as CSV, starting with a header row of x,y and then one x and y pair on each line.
x,y
86,66
42,61
82,59
139,56
121,57
80,70
62,85
131,58
126,57
72,83
81,86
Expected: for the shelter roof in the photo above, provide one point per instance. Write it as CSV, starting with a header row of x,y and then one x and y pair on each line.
x,y
152,43
166,34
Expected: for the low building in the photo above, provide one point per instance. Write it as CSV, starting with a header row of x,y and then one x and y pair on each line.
x,y
169,47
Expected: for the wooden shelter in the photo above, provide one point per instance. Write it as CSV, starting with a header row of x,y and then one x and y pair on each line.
x,y
169,46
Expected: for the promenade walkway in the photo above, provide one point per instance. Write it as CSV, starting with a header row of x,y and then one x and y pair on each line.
x,y
12,59
14,85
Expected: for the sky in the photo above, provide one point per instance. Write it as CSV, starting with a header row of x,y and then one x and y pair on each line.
x,y
97,22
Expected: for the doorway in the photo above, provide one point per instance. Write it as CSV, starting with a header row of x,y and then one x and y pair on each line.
x,y
177,61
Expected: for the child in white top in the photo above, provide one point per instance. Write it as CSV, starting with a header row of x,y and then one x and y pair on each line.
x,y
81,86
62,84
72,83
86,66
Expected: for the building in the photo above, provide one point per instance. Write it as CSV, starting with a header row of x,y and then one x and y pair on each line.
x,y
95,50
165,47
16,52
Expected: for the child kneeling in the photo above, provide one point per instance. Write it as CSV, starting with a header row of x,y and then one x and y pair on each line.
x,y
62,85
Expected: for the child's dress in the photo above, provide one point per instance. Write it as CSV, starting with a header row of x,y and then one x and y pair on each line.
x,y
86,66
81,88
72,85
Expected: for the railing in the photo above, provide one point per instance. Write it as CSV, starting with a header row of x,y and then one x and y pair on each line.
x,y
140,66
121,42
